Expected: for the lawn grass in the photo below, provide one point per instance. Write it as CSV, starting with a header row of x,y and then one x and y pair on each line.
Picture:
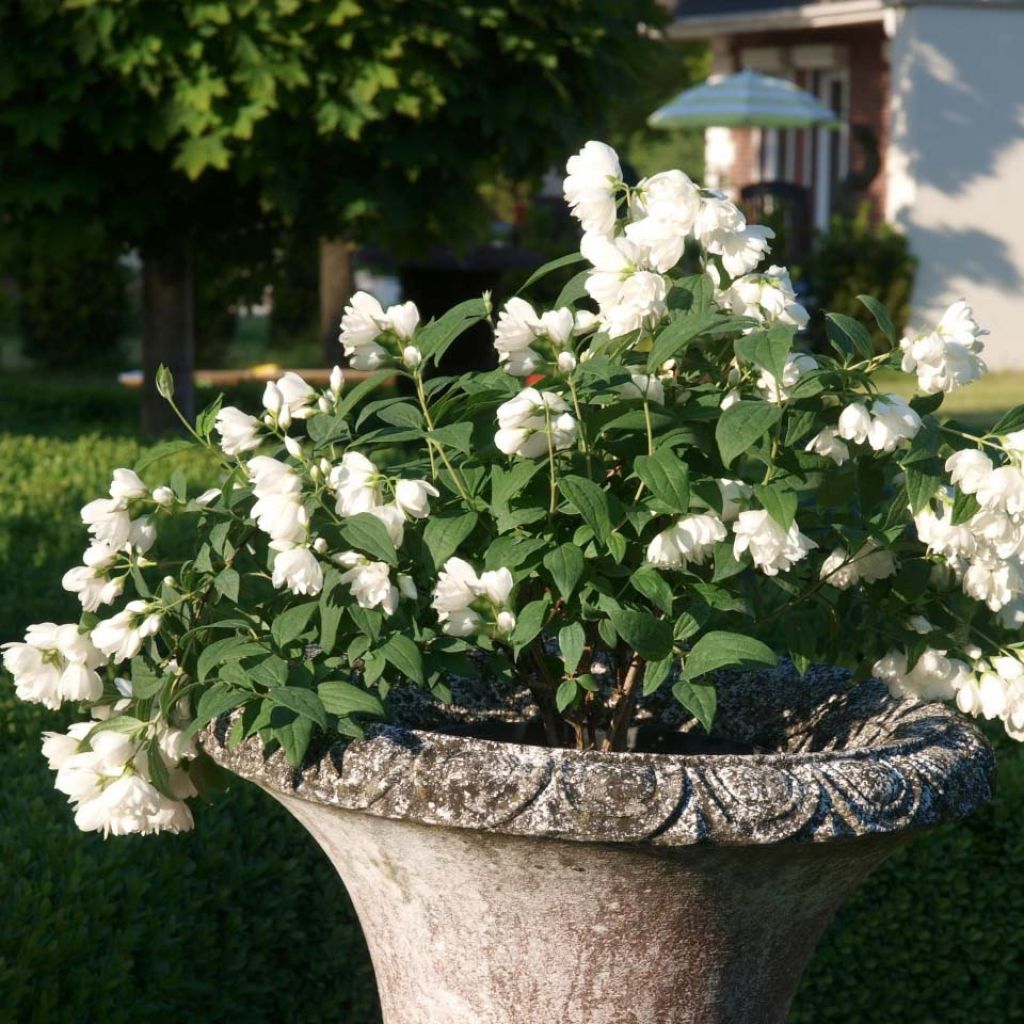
x,y
978,405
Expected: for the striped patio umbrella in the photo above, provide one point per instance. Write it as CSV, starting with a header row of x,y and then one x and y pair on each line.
x,y
746,99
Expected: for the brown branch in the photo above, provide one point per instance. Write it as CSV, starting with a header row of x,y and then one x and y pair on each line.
x,y
623,713
544,696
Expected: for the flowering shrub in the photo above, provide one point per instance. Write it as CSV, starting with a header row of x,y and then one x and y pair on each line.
x,y
655,484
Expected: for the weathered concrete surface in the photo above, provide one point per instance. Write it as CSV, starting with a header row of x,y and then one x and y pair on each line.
x,y
507,884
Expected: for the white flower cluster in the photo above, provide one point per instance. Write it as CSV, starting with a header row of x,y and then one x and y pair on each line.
x,y
991,687
533,420
987,550
358,487
114,532
691,539
889,424
778,390
767,297
772,548
373,337
54,664
530,343
629,266
948,356
467,603
867,565
106,774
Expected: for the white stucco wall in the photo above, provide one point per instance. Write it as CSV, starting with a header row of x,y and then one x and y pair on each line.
x,y
956,162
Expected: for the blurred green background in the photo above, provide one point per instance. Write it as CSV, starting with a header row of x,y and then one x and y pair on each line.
x,y
247,133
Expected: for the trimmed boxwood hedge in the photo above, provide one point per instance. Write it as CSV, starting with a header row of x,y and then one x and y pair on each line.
x,y
244,918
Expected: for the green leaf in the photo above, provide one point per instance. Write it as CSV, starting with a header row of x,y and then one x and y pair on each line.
x,y
301,701
456,435
590,501
656,672
617,547
293,732
145,682
368,534
574,290
529,623
881,315
700,699
667,477
231,648
718,648
742,424
401,414
566,694
767,349
403,653
571,642
565,564
848,335
780,504
291,623
964,507
443,535
226,584
344,699
550,267
161,451
217,700
924,478
1009,422
652,585
678,333
434,339
331,609
651,638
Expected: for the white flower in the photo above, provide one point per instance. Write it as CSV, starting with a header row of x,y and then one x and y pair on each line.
x,y
466,603
796,366
734,493
299,570
969,469
413,497
942,537
630,295
994,583
369,582
296,396
337,381
278,510
54,664
691,539
141,535
868,565
127,485
407,588
934,677
163,496
393,519
892,423
517,327
827,444
593,176
403,320
411,357
664,208
356,484
361,325
854,423
946,358
768,297
239,432
730,398
566,362
120,637
1003,490
525,421
717,215
92,586
210,495
642,385
108,521
772,548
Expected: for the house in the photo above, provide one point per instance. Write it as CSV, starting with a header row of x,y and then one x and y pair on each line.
x,y
931,98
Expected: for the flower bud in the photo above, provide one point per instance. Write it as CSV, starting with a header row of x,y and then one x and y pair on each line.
x,y
272,398
566,362
163,496
293,446
411,356
337,381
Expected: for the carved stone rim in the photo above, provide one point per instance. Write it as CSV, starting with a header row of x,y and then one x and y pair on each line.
x,y
848,761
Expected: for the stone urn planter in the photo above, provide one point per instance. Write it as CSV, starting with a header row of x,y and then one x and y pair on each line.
x,y
507,883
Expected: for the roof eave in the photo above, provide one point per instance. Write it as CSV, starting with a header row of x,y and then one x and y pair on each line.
x,y
815,15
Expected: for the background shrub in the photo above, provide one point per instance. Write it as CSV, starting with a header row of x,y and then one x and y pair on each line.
x,y
856,257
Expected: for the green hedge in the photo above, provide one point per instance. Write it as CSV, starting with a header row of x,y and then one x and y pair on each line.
x,y
245,918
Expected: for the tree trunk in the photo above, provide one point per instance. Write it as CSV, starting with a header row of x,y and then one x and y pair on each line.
x,y
336,287
168,337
